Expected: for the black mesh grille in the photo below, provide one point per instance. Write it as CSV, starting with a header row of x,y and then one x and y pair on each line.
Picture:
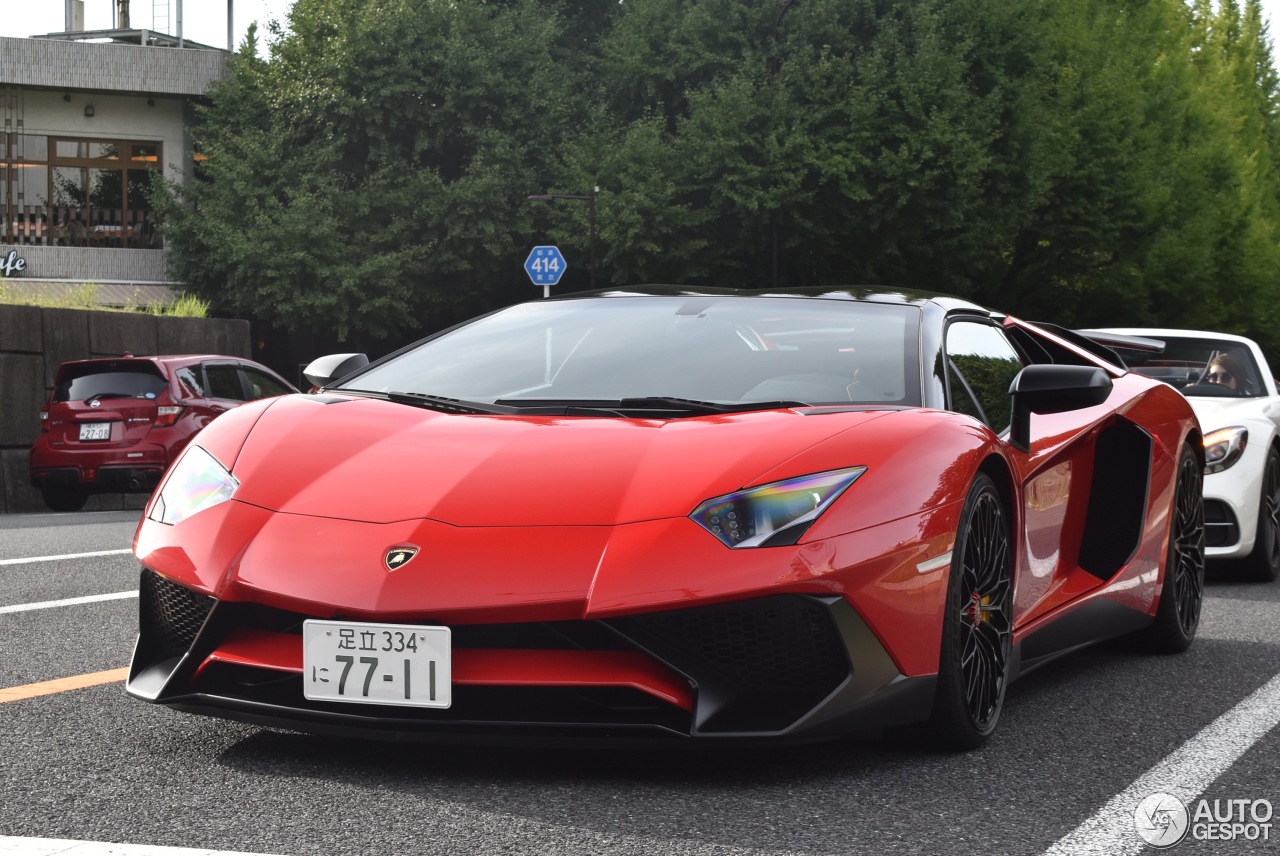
x,y
171,613
767,661
777,642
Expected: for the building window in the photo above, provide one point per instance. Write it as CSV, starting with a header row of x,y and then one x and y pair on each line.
x,y
73,191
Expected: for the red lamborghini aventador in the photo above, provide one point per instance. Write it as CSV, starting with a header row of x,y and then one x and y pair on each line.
x,y
693,514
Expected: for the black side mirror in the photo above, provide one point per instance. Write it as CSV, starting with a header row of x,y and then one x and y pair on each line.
x,y
323,371
1053,389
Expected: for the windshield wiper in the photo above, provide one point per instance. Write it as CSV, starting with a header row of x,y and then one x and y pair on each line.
x,y
447,405
659,407
703,407
654,407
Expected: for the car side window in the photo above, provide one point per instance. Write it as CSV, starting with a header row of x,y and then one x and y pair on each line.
x,y
961,397
263,385
224,381
190,382
981,365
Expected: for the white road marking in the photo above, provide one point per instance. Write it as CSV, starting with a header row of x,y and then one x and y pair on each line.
x,y
13,846
71,601
1185,773
63,558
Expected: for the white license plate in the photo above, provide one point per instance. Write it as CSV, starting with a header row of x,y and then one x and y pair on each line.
x,y
95,430
403,664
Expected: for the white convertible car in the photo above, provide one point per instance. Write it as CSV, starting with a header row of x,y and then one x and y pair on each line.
x,y
1233,393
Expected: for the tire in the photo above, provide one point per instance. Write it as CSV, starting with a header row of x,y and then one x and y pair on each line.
x,y
973,666
65,498
1182,591
1263,564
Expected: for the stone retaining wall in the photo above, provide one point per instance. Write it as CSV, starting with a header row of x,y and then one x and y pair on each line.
x,y
35,341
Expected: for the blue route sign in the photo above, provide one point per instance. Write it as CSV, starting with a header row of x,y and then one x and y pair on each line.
x,y
545,265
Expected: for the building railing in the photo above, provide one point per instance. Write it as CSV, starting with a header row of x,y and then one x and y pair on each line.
x,y
62,226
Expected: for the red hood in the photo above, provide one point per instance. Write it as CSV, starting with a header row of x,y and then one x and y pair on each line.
x,y
376,461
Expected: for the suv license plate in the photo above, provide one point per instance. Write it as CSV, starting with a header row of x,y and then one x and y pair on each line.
x,y
400,664
95,431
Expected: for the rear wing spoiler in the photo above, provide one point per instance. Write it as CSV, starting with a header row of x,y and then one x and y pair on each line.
x,y
1103,344
1119,340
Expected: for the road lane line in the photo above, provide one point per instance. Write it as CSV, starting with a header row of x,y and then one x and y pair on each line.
x,y
1186,773
64,558
71,601
17,846
62,685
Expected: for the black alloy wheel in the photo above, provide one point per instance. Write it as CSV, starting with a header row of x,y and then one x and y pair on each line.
x,y
1263,564
1182,592
973,668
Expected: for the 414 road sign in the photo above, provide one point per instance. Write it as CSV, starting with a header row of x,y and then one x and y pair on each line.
x,y
545,266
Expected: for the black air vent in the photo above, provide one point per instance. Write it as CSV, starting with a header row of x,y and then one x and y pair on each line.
x,y
171,613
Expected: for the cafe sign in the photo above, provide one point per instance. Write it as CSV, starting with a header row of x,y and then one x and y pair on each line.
x,y
12,263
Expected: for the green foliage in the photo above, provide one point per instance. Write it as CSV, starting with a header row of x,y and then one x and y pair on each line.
x,y
373,172
186,306
1083,162
85,296
80,296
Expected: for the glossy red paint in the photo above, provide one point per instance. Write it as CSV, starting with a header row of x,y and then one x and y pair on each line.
x,y
1056,477
526,520
336,460
491,550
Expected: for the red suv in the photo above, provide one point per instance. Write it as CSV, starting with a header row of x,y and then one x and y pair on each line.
x,y
113,425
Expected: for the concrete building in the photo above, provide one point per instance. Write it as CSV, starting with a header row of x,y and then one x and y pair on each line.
x,y
88,117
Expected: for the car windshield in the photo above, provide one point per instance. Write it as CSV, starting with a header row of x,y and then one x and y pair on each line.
x,y
718,349
137,381
1200,367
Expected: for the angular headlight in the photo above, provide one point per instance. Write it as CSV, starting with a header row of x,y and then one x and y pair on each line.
x,y
1223,447
773,514
197,482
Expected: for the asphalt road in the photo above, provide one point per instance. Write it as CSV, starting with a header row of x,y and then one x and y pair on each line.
x,y
93,764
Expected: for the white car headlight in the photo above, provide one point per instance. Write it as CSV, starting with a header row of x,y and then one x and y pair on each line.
x,y
772,514
1223,447
197,482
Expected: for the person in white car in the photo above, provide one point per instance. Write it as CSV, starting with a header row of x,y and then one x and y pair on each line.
x,y
1228,371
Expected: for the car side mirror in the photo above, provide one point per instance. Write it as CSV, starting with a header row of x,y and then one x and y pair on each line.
x,y
324,371
1053,389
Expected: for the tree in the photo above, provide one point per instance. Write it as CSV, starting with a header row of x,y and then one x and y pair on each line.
x,y
367,175
1084,162
806,143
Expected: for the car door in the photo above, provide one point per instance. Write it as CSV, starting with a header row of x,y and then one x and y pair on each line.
x,y
981,364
